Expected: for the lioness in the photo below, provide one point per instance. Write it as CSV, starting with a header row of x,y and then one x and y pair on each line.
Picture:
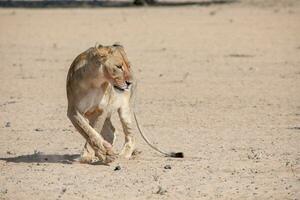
x,y
99,82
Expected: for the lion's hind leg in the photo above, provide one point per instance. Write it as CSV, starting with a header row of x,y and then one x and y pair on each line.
x,y
88,154
108,131
102,148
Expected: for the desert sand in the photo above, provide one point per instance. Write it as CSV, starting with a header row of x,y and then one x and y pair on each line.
x,y
220,83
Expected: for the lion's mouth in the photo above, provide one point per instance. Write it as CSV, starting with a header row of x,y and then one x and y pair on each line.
x,y
119,88
123,87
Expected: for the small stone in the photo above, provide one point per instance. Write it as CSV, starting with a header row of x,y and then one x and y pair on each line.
x,y
117,168
155,177
212,13
38,129
7,124
167,167
161,191
64,190
3,191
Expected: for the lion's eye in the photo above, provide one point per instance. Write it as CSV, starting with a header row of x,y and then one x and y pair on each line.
x,y
119,66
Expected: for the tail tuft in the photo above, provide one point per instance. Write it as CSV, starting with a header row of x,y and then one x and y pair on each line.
x,y
176,154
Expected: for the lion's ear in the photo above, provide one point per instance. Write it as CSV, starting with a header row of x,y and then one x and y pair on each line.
x,y
98,45
103,51
117,44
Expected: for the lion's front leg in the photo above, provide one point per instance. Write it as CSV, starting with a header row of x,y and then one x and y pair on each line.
x,y
125,115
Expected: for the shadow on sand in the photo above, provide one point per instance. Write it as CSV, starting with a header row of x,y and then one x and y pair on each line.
x,y
43,158
95,3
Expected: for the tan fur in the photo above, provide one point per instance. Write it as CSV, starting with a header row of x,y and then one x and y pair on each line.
x,y
100,82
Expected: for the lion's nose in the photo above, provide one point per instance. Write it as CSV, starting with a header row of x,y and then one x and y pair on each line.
x,y
128,83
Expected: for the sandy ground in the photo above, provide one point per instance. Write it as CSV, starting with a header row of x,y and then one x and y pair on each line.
x,y
220,83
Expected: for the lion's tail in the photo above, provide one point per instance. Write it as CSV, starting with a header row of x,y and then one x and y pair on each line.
x,y
170,154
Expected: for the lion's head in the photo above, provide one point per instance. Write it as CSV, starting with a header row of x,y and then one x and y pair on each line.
x,y
116,67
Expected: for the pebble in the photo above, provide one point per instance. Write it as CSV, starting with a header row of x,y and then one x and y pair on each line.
x,y
167,167
3,191
161,191
118,167
7,124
